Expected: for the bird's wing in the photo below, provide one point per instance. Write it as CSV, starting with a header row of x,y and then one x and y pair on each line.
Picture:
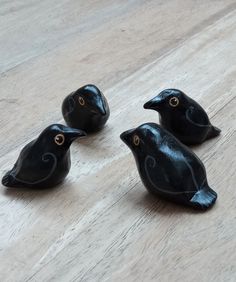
x,y
176,174
197,117
33,167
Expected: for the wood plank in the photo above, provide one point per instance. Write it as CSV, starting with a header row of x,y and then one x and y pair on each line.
x,y
30,29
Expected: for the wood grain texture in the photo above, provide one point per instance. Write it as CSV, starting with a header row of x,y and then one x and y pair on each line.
x,y
101,224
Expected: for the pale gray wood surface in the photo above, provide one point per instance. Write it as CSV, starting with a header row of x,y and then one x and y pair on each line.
x,y
101,224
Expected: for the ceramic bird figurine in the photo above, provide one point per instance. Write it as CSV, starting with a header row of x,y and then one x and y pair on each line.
x,y
86,109
45,161
169,168
183,117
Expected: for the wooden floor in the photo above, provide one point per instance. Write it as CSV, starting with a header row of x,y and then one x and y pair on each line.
x,y
101,224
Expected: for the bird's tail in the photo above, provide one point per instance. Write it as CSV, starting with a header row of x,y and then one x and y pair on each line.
x,y
204,198
215,131
8,180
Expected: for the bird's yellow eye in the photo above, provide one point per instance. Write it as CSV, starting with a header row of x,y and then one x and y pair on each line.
x,y
136,140
81,101
59,139
174,102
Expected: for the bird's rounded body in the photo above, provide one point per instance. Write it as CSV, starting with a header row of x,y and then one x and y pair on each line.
x,y
183,117
86,109
45,161
168,168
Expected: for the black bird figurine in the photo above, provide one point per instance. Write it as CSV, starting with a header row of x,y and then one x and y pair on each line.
x,y
45,161
86,109
169,168
183,117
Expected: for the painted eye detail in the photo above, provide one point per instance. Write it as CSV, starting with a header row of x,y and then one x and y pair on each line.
x,y
174,102
59,139
136,140
81,101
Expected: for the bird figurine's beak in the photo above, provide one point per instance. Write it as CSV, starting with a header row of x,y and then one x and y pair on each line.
x,y
74,133
100,109
126,136
154,104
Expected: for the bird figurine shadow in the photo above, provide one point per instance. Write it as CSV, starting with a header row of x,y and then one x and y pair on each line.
x,y
168,168
86,109
45,161
159,205
183,117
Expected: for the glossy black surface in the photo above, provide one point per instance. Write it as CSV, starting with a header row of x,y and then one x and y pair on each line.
x,y
169,168
45,161
183,117
86,109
